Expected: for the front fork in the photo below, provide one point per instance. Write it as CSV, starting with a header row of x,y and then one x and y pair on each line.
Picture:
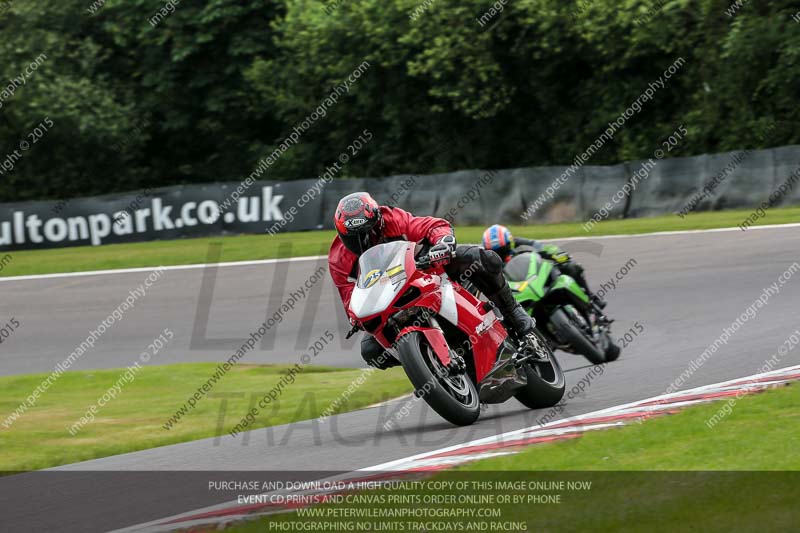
x,y
456,364
435,337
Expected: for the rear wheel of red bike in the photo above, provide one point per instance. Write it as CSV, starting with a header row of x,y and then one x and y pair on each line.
x,y
546,383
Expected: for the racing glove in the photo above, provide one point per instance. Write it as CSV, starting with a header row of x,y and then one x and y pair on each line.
x,y
443,251
555,253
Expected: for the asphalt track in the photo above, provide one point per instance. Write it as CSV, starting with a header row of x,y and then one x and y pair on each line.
x,y
683,290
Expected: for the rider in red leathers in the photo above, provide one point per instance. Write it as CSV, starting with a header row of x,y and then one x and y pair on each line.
x,y
361,223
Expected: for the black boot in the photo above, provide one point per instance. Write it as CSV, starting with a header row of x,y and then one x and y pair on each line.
x,y
375,355
596,300
514,315
576,271
520,324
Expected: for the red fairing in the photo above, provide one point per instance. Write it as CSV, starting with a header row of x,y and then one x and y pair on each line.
x,y
478,322
436,339
398,224
484,330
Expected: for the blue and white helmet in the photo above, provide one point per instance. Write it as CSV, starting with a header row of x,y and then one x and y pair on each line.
x,y
499,239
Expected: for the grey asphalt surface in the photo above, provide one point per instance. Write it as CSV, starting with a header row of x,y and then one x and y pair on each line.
x,y
683,290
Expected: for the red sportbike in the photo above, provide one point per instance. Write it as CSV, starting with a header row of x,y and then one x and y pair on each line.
x,y
452,346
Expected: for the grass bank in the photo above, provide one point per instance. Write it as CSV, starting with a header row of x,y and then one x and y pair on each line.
x,y
669,474
135,419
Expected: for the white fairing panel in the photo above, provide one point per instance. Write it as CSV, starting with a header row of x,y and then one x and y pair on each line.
x,y
381,277
449,309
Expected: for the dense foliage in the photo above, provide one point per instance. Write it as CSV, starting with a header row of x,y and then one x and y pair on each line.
x,y
213,86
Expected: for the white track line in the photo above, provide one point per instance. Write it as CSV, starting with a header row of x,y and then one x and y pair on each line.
x,y
679,232
422,459
319,257
152,268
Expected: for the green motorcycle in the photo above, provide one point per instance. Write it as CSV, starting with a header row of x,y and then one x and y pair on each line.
x,y
563,311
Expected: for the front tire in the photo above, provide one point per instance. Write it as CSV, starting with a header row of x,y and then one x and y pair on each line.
x,y
454,398
576,338
612,351
546,382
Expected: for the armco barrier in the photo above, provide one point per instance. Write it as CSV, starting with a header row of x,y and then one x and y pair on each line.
x,y
600,185
481,197
786,163
738,179
668,186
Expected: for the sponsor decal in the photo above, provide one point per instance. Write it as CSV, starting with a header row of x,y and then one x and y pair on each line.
x,y
354,222
372,278
394,270
488,319
397,276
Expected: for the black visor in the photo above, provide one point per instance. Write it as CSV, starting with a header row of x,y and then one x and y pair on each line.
x,y
504,251
358,243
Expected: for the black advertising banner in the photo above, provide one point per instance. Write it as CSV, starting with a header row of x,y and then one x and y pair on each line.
x,y
166,213
468,197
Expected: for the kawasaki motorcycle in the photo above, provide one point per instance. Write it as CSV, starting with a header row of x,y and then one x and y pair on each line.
x,y
563,311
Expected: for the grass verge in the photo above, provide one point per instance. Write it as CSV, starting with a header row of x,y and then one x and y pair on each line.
x,y
40,438
253,247
762,433
668,474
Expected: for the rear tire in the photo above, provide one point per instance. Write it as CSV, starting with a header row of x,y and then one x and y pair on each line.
x,y
546,382
577,338
440,392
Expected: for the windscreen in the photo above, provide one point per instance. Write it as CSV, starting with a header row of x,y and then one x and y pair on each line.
x,y
381,277
376,261
517,268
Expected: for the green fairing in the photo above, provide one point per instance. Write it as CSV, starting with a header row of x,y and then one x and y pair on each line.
x,y
566,282
533,289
